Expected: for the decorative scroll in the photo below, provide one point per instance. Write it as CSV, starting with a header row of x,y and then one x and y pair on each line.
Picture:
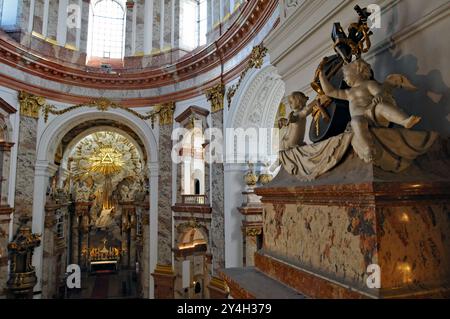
x,y
256,61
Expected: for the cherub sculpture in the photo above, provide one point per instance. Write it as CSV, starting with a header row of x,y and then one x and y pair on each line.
x,y
297,121
370,102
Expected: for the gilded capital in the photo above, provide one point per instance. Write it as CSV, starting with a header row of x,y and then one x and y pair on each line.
x,y
215,96
165,112
30,104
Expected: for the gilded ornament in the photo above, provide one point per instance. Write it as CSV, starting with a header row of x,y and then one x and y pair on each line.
x,y
253,232
250,177
30,104
215,96
256,61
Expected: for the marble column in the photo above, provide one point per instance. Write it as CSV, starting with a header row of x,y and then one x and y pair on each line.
x,y
130,26
61,27
156,38
216,96
217,191
5,211
38,16
144,266
82,212
73,14
141,23
162,23
148,31
52,20
84,26
26,159
165,192
49,260
26,17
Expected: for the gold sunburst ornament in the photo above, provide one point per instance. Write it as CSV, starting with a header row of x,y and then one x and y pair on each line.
x,y
107,161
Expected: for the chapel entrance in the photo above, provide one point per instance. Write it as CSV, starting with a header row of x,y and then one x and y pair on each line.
x,y
107,194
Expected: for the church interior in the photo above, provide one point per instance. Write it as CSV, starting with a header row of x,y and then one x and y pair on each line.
x,y
224,149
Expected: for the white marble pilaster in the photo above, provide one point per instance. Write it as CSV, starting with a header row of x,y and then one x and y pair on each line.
x,y
43,171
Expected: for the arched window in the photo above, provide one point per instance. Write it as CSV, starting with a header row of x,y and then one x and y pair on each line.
x,y
106,37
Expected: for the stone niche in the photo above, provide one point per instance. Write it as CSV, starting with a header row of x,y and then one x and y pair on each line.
x,y
321,236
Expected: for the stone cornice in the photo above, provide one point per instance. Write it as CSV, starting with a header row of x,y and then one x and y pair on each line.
x,y
363,194
252,18
66,97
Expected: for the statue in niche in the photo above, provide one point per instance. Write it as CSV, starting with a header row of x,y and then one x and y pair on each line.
x,y
370,103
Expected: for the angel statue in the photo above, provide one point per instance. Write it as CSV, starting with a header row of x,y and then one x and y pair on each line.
x,y
370,103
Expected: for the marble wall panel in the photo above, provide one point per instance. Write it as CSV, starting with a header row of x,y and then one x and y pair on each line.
x,y
409,243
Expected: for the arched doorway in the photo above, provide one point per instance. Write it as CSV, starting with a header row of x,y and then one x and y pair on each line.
x,y
49,145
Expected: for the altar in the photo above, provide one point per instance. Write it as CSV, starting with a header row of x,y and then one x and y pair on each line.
x,y
102,266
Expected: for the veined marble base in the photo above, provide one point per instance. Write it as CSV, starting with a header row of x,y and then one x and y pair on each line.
x,y
320,237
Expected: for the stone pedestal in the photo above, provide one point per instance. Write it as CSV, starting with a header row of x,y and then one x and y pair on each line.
x,y
218,289
337,236
164,278
251,210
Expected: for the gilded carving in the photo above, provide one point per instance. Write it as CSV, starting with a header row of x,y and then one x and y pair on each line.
x,y
256,61
215,96
165,112
30,104
253,232
101,104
